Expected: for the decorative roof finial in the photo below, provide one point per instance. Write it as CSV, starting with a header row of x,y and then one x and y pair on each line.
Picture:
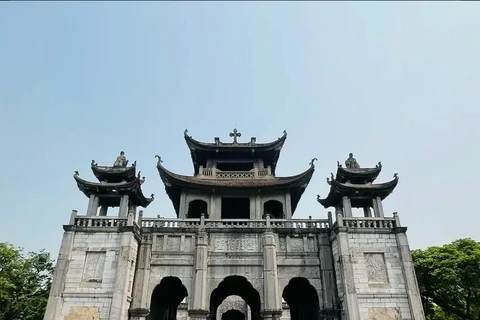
x,y
318,197
379,165
121,161
235,134
159,160
395,175
94,164
76,173
312,162
138,175
351,162
152,196
185,133
339,164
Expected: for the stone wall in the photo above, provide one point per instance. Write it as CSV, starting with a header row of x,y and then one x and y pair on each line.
x,y
378,276
91,275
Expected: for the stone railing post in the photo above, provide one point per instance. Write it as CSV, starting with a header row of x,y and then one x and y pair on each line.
x,y
397,220
330,220
130,219
72,217
268,222
339,220
140,218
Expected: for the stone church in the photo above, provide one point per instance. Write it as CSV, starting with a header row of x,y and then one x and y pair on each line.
x,y
235,250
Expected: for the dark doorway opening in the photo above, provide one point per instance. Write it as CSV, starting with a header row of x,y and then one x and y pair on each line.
x,y
235,208
235,166
302,298
233,314
274,208
235,285
165,299
196,208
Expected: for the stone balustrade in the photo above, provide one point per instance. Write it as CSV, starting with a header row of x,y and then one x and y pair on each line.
x,y
367,223
88,221
219,174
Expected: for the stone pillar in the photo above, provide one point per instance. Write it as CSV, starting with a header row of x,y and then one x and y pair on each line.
x,y
199,304
380,207
350,300
327,272
258,207
272,299
139,310
213,207
411,284
347,207
103,210
119,306
367,212
288,206
182,210
54,305
123,210
92,205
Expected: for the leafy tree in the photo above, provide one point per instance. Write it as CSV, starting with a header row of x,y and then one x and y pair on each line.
x,y
449,280
25,281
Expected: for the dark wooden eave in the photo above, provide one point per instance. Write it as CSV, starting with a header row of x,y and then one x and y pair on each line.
x,y
202,151
112,174
175,183
131,188
359,194
357,175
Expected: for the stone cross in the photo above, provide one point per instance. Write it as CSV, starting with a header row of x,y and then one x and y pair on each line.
x,y
235,134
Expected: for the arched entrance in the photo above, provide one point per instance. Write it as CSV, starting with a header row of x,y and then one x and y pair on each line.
x,y
233,314
196,208
235,285
302,298
165,299
274,208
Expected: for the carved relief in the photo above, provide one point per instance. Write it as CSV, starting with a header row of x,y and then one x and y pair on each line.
x,y
83,313
94,264
384,314
159,243
300,271
235,243
188,244
296,245
282,245
376,268
311,244
173,243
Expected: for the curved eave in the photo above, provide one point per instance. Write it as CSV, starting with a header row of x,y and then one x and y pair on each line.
x,y
361,175
132,189
362,191
235,147
174,183
111,174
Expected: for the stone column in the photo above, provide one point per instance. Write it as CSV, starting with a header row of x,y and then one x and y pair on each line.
x,y
272,300
288,206
123,210
350,300
327,272
103,210
367,212
199,306
380,207
92,205
139,310
183,210
347,207
258,207
54,305
411,285
119,306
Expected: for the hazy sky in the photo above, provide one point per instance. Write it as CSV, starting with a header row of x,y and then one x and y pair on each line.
x,y
397,82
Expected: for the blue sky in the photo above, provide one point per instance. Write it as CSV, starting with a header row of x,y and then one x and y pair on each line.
x,y
396,82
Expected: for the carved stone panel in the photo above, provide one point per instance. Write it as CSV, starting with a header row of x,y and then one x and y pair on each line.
x,y
234,242
296,245
281,244
189,246
376,268
159,243
94,264
173,243
83,313
311,244
384,314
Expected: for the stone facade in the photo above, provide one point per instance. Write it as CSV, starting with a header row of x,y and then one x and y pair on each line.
x,y
266,265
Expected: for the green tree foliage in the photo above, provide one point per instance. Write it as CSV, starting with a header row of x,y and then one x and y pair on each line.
x,y
449,280
25,281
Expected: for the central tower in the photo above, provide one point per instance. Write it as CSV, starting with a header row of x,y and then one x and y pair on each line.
x,y
234,181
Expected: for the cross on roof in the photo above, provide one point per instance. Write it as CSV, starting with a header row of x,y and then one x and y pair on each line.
x,y
235,134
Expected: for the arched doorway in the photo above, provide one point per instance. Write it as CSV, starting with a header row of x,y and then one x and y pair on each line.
x,y
302,298
196,208
235,285
165,299
274,208
233,314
